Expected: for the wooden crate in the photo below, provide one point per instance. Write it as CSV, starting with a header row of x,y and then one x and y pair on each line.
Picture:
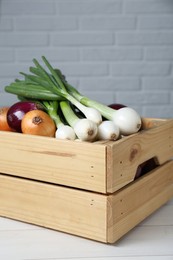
x,y
101,166
86,189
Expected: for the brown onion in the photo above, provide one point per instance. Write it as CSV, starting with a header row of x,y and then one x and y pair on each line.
x,y
4,126
38,122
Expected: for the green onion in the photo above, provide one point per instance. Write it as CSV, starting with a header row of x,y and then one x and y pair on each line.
x,y
31,91
63,131
52,108
52,85
85,129
126,119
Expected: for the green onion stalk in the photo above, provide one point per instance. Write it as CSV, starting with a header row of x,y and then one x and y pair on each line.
x,y
51,85
64,131
85,129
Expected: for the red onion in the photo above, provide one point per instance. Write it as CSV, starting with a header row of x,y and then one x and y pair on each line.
x,y
116,106
17,111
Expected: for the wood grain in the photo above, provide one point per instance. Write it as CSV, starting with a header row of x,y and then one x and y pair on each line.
x,y
131,205
70,163
100,166
68,210
125,155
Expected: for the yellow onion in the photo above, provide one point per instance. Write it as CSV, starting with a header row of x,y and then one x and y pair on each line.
x,y
38,122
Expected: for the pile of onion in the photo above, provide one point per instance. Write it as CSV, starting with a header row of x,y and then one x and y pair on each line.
x,y
28,118
17,111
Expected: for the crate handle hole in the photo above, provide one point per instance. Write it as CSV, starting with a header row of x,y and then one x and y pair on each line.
x,y
146,167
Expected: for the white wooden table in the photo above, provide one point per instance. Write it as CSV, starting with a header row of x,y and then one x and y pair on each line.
x,y
152,239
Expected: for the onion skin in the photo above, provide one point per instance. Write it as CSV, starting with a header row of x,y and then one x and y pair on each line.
x,y
65,132
128,120
86,130
116,106
107,130
4,126
38,122
17,111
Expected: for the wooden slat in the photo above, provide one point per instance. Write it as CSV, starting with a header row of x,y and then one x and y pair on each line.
x,y
125,155
70,163
132,204
65,209
102,166
148,123
101,217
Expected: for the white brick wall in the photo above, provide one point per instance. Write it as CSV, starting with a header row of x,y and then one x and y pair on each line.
x,y
111,50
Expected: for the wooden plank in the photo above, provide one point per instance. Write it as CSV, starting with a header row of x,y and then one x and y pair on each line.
x,y
100,217
125,155
132,204
65,209
148,123
101,166
70,163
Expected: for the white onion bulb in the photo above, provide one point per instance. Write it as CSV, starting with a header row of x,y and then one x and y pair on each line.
x,y
65,132
107,130
128,120
85,129
93,115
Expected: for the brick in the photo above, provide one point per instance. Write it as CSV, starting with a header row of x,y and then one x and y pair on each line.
x,y
157,83
4,82
110,84
159,53
23,39
159,111
111,50
19,7
74,81
6,55
12,70
148,6
52,54
144,98
140,68
5,24
144,38
155,22
107,23
7,99
112,53
83,69
137,107
172,100
40,23
82,38
91,7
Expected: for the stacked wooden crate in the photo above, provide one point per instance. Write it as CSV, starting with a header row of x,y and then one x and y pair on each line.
x,y
87,189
